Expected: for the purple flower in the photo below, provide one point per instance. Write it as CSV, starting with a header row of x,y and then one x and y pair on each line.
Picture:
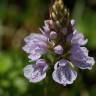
x,y
64,73
66,44
76,38
36,72
36,45
80,58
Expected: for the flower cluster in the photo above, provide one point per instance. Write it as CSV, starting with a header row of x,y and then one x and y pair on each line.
x,y
66,44
59,37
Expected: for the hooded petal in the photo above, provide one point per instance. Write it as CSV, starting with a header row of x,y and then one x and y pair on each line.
x,y
77,38
87,64
79,53
80,58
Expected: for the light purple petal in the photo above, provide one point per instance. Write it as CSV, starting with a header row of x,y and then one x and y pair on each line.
x,y
36,45
77,38
64,74
36,72
35,37
39,47
58,49
87,64
80,58
79,53
34,56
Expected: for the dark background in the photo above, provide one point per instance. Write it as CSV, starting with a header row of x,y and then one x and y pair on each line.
x,y
19,18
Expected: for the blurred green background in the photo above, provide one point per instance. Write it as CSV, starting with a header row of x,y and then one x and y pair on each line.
x,y
20,17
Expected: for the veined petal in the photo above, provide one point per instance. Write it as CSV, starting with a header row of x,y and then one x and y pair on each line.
x,y
80,58
36,72
86,64
79,53
77,38
32,74
64,74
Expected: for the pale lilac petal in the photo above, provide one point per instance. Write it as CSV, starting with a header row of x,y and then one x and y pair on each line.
x,y
35,37
79,53
63,73
58,49
34,56
85,64
80,58
33,75
77,38
28,48
36,45
64,76
36,72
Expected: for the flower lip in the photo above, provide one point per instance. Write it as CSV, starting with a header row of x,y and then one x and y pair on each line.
x,y
80,58
64,74
35,72
76,38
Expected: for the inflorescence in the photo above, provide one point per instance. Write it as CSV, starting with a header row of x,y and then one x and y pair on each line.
x,y
60,38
